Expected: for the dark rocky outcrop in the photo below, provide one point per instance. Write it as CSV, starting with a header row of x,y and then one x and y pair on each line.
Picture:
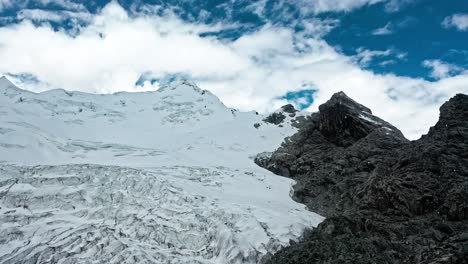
x,y
278,117
289,108
275,118
386,199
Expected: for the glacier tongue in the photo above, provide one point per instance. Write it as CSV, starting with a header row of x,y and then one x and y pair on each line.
x,y
158,177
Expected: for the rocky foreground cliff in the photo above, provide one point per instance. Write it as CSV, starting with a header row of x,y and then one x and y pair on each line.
x,y
386,199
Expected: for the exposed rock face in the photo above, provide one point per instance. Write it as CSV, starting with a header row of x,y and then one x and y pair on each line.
x,y
343,121
279,116
386,199
275,118
289,108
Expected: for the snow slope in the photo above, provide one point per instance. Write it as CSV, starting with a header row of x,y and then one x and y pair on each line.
x,y
155,177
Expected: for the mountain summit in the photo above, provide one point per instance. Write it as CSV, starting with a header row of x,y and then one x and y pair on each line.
x,y
7,88
343,121
4,82
387,200
169,177
155,177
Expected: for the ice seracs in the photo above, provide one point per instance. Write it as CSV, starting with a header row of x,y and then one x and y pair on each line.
x,y
155,177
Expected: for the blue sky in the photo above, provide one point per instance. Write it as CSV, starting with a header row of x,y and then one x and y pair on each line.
x,y
415,30
403,58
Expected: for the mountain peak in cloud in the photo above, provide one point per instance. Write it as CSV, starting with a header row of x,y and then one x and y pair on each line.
x,y
5,82
7,87
188,89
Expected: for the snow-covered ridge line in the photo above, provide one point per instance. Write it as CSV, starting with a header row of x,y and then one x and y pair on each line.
x,y
173,179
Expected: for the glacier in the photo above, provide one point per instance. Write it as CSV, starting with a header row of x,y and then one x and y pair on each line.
x,y
152,177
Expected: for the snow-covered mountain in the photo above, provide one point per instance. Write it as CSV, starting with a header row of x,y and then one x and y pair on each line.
x,y
155,177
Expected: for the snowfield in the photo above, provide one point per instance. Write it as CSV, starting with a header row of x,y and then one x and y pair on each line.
x,y
156,177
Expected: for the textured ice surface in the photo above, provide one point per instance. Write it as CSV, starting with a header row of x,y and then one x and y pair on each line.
x,y
159,177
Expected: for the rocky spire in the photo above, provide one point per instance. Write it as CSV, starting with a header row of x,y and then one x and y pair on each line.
x,y
343,121
453,120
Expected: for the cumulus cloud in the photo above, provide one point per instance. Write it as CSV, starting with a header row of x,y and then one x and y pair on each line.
x,y
118,52
458,21
440,69
110,53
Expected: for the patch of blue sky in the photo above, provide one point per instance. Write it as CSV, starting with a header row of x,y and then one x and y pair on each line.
x,y
301,99
416,30
161,79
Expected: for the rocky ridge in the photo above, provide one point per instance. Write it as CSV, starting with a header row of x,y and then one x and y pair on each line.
x,y
386,199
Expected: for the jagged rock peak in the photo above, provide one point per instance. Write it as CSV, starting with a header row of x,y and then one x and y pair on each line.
x,y
453,120
289,108
343,121
343,101
456,108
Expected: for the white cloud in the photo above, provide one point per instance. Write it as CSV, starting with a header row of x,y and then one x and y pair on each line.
x,y
317,28
64,4
365,56
458,21
339,5
441,69
5,4
385,30
305,7
397,5
40,15
252,72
